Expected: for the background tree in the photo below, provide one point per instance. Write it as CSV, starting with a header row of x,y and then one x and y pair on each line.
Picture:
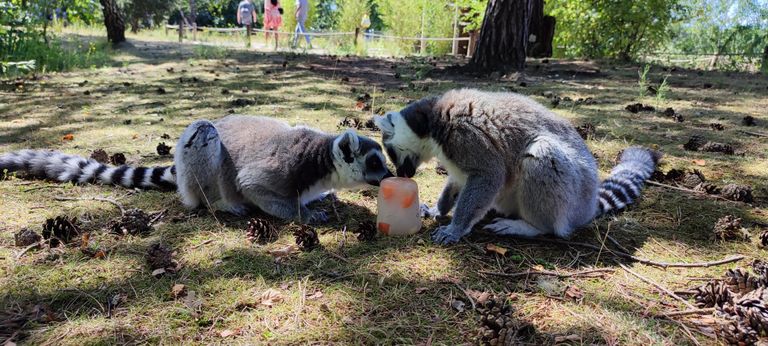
x,y
113,20
351,13
503,36
416,18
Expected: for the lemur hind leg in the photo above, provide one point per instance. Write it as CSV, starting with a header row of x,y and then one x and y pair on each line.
x,y
198,159
282,207
548,193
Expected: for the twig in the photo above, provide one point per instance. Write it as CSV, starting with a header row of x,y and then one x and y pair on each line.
x,y
645,260
100,199
158,216
658,286
549,273
201,244
698,193
471,301
26,249
616,243
339,257
756,134
44,187
689,312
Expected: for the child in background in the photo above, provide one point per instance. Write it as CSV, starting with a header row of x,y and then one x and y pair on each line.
x,y
273,19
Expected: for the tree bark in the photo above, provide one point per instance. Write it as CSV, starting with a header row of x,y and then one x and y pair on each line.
x,y
503,36
114,21
764,65
542,32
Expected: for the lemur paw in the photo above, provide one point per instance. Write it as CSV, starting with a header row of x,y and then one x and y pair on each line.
x,y
426,212
445,235
497,226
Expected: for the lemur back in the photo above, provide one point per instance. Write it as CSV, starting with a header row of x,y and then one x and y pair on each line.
x,y
504,151
234,164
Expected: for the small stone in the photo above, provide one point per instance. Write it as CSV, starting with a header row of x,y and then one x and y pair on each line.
x,y
26,237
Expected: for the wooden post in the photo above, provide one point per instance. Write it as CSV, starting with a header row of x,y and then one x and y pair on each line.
x,y
423,45
248,35
166,28
357,35
194,31
181,30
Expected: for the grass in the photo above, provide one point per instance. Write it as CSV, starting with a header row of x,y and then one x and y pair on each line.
x,y
392,290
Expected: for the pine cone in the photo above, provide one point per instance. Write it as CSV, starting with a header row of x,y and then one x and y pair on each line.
x,y
674,175
741,193
26,237
60,230
586,130
498,325
133,222
691,180
695,143
715,147
737,332
713,293
728,228
260,231
306,238
163,149
761,272
100,155
366,231
753,309
764,239
117,159
740,282
708,188
159,256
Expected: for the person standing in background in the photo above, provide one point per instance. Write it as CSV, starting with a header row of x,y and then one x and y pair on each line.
x,y
273,19
302,12
246,15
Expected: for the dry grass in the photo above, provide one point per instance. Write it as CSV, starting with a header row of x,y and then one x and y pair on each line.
x,y
391,291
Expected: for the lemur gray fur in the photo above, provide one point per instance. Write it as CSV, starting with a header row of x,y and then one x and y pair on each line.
x,y
506,152
233,164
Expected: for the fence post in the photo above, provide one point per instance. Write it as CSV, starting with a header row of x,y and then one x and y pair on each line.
x,y
166,29
181,30
357,34
194,31
248,35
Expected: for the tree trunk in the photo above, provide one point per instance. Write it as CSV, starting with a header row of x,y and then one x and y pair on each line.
x,y
541,32
192,14
503,36
764,65
114,21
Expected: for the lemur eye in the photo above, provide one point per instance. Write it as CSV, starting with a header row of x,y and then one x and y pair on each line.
x,y
373,163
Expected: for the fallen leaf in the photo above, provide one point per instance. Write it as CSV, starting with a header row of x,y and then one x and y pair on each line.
x,y
420,290
100,254
316,295
479,297
496,249
573,292
84,240
700,162
68,137
228,332
157,272
178,290
564,338
457,305
270,297
283,252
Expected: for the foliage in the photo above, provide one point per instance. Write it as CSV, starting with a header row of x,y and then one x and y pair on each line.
x,y
662,92
412,19
326,15
612,28
351,13
642,80
146,13
475,12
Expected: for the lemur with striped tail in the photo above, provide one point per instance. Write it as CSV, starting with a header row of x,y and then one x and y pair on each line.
x,y
234,164
506,152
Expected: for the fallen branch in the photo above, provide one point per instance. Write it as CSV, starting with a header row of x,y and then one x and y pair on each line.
x,y
549,273
100,199
645,260
756,134
471,301
205,242
658,286
26,249
689,312
699,193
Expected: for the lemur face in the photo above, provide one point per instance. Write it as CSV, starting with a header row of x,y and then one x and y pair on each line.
x,y
403,145
359,160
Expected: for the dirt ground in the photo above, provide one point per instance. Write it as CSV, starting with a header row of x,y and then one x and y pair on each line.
x,y
101,290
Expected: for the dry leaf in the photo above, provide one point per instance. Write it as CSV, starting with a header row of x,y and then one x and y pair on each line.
x,y
420,290
270,297
135,136
178,290
700,162
479,297
573,292
157,272
316,295
564,338
100,254
283,252
84,240
68,137
496,249
228,332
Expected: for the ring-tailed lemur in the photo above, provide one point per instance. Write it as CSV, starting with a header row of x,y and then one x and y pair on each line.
x,y
234,164
504,151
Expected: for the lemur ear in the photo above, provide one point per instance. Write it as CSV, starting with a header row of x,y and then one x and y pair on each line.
x,y
349,144
384,123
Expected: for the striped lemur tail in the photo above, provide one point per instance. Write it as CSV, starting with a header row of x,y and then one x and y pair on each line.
x,y
626,181
79,170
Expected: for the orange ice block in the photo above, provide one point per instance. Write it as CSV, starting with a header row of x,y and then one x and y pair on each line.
x,y
398,205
